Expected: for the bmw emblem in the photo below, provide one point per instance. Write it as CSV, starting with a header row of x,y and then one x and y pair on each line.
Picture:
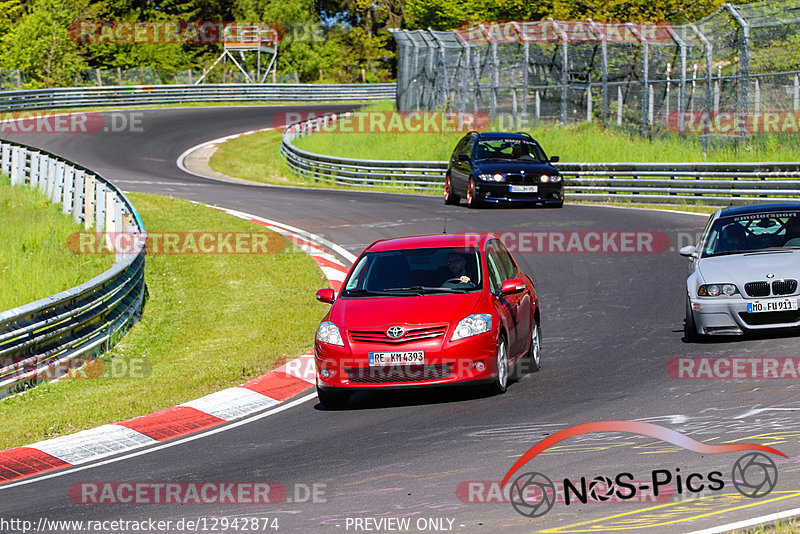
x,y
770,275
395,332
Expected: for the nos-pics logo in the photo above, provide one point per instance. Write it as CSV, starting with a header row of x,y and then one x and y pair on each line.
x,y
533,494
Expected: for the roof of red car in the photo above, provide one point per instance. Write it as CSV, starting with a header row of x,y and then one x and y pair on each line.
x,y
429,241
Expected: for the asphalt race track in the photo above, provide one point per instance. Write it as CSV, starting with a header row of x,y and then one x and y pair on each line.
x,y
611,321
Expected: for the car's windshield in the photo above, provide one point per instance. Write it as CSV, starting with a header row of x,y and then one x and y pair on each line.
x,y
753,232
415,272
510,149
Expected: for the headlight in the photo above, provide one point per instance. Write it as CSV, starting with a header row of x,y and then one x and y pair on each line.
x,y
546,178
492,177
715,290
329,333
472,325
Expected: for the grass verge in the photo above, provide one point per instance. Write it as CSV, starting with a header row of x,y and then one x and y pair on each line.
x,y
582,142
211,322
34,236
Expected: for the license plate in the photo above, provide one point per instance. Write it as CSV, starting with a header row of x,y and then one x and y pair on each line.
x,y
413,357
524,188
758,306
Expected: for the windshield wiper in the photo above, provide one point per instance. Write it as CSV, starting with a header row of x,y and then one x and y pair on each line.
x,y
369,292
427,289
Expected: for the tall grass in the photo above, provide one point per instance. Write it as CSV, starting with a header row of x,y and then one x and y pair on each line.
x,y
34,259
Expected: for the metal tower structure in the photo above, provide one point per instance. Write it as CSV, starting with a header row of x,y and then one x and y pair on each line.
x,y
254,39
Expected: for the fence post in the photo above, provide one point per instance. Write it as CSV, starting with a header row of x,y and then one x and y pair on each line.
x,y
68,189
77,196
562,37
58,183
34,181
619,105
89,202
744,62
6,158
796,99
15,164
99,206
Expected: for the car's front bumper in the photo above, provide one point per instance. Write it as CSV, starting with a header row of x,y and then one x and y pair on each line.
x,y
729,316
451,364
493,192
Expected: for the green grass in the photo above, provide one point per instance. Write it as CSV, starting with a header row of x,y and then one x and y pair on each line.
x,y
211,322
34,239
584,142
254,157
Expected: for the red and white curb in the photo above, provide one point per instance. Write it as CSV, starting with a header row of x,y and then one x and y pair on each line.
x,y
224,406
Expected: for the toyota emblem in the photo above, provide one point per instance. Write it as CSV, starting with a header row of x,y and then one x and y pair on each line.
x,y
395,332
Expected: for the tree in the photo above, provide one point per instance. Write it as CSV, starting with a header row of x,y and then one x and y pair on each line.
x,y
40,44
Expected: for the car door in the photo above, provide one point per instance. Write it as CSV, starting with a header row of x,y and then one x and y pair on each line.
x,y
455,171
503,303
462,169
520,302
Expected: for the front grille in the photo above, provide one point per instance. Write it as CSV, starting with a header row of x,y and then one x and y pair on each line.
x,y
396,373
784,287
766,318
412,334
757,289
516,178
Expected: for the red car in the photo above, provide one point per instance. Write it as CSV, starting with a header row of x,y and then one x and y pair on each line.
x,y
426,311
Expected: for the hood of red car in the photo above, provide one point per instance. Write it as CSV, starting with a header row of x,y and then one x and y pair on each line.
x,y
379,312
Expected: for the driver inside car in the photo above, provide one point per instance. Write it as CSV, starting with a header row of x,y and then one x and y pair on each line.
x,y
458,268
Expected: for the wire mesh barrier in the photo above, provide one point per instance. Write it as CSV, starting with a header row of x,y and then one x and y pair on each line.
x,y
47,338
733,73
712,184
170,94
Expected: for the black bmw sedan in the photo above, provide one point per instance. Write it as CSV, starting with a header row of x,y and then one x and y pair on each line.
x,y
496,167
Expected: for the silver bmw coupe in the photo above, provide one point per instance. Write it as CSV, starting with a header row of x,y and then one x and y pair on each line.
x,y
744,272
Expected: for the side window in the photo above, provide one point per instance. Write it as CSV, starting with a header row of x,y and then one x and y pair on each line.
x,y
460,147
468,146
509,268
495,274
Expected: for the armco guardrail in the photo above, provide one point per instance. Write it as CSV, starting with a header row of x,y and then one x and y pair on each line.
x,y
666,183
71,97
41,340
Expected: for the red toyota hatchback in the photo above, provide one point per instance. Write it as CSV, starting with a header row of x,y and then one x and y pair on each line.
x,y
426,311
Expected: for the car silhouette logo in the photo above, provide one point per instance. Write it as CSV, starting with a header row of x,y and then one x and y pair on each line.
x,y
770,275
395,332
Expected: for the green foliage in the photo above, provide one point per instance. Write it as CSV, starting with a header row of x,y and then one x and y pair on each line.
x,y
40,44
321,40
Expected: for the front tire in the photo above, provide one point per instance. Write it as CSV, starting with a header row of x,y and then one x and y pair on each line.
x,y
534,358
501,380
472,201
450,198
689,326
332,400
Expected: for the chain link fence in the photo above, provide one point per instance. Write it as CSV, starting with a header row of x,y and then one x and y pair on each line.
x,y
733,73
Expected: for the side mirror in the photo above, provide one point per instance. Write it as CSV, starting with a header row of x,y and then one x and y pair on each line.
x,y
326,295
463,157
554,159
509,287
689,251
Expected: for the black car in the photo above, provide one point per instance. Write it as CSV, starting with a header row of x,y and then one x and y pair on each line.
x,y
496,167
